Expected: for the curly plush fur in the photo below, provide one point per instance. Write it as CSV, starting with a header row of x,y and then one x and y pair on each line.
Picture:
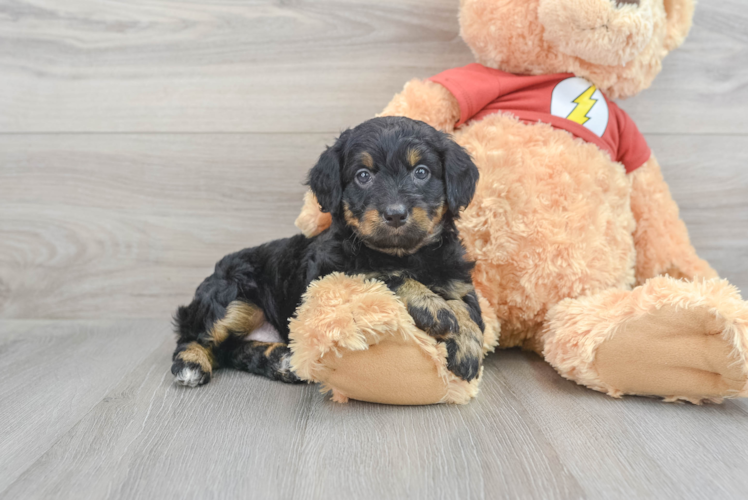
x,y
368,319
523,37
588,267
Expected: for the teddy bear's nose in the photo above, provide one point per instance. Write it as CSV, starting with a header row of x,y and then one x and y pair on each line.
x,y
627,2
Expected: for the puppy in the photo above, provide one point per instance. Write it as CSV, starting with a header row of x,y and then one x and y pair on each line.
x,y
394,188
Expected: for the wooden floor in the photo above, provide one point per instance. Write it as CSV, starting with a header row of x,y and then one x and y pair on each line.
x,y
140,140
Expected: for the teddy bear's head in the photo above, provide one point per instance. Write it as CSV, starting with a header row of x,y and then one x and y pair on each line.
x,y
617,44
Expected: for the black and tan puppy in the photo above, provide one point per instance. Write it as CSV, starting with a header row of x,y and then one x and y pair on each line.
x,y
394,187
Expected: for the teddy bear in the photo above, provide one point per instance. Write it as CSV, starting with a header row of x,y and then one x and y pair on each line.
x,y
580,253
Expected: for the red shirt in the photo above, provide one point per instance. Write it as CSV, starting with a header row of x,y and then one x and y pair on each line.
x,y
562,100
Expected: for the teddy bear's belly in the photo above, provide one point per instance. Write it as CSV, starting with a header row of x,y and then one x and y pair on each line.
x,y
550,219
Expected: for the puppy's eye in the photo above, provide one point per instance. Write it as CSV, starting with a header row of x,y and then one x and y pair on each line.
x,y
421,173
363,177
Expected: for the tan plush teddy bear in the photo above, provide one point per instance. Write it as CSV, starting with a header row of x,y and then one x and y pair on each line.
x,y
580,253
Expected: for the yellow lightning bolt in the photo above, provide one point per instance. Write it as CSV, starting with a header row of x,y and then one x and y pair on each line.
x,y
584,102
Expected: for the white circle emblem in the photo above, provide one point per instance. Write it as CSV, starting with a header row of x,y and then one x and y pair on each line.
x,y
578,100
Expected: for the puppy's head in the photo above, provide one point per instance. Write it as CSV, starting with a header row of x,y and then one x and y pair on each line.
x,y
395,182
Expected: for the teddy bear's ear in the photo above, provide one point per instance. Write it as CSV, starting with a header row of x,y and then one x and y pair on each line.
x,y
324,178
679,17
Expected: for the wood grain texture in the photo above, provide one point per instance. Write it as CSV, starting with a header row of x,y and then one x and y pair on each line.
x,y
110,226
237,437
128,225
708,177
702,87
301,66
529,434
215,66
634,447
54,372
491,448
142,140
288,442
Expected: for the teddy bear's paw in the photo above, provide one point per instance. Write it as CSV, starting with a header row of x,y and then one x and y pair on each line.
x,y
691,354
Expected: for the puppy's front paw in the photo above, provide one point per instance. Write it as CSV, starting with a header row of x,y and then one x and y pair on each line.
x,y
463,361
429,311
189,374
432,315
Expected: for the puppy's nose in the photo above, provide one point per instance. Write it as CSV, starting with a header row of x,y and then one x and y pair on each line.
x,y
395,215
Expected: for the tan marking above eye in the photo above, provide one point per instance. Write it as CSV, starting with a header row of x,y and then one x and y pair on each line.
x,y
413,157
366,160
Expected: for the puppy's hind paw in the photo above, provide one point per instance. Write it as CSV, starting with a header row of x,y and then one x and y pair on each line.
x,y
189,374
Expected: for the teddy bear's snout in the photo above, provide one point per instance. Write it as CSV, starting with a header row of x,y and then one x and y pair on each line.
x,y
609,32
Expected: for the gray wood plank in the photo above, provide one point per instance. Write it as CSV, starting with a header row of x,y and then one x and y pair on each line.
x,y
137,221
191,66
185,65
634,447
160,173
237,437
246,437
708,178
54,372
702,87
110,223
529,434
103,226
491,448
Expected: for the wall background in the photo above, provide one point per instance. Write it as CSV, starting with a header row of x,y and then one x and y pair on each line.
x,y
140,141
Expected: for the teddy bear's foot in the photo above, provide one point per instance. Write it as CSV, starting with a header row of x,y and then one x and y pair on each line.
x,y
683,354
674,339
357,339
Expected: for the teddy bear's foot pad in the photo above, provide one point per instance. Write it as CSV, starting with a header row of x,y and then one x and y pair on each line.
x,y
676,353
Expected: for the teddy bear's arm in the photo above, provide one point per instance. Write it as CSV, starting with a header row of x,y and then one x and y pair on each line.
x,y
426,101
661,238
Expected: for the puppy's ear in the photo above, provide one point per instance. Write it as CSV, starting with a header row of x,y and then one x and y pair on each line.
x,y
460,176
324,178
